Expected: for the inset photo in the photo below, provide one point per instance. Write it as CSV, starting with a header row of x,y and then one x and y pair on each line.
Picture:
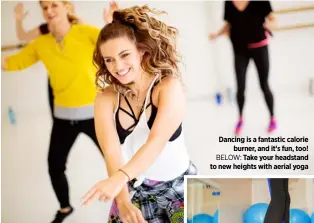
x,y
249,200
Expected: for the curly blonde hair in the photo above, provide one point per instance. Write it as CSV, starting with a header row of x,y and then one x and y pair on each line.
x,y
154,38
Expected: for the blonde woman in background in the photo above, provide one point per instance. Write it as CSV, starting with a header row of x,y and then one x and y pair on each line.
x,y
67,52
43,29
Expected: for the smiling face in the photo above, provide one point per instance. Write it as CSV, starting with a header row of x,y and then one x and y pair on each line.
x,y
122,59
54,12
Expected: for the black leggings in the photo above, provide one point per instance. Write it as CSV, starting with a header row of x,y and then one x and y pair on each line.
x,y
261,60
279,207
50,98
62,138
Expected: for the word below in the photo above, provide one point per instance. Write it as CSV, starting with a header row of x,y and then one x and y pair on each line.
x,y
228,157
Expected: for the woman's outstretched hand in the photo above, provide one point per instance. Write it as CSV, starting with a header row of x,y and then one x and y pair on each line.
x,y
106,190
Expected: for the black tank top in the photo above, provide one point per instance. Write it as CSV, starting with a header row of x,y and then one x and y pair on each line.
x,y
123,133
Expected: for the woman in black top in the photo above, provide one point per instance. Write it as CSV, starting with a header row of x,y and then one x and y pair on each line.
x,y
248,24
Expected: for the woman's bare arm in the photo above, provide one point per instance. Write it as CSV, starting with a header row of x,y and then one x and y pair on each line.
x,y
107,134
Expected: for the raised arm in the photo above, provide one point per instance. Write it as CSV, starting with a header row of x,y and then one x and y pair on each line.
x,y
26,35
92,31
21,33
113,6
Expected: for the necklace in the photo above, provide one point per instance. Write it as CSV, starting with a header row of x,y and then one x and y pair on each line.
x,y
137,100
136,97
59,38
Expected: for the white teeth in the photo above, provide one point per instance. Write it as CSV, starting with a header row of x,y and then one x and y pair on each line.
x,y
124,72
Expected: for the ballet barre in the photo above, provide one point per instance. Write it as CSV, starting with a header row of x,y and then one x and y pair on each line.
x,y
295,9
12,47
297,26
292,27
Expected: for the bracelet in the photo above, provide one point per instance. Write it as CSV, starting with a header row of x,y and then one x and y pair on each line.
x,y
125,174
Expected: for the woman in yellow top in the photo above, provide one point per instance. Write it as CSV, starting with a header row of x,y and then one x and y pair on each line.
x,y
67,53
29,35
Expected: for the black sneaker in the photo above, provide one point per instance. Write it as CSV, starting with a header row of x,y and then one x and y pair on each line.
x,y
61,216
